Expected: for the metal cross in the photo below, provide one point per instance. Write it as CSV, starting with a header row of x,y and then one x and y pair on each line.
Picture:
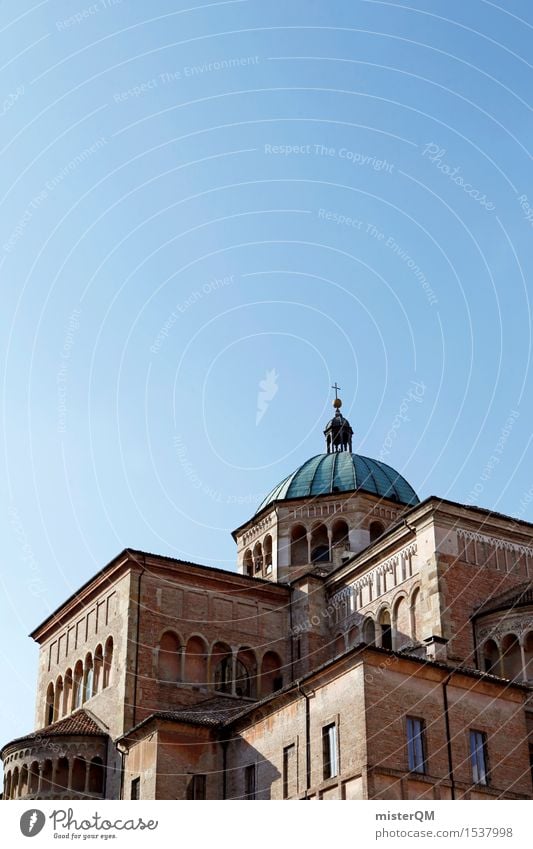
x,y
336,388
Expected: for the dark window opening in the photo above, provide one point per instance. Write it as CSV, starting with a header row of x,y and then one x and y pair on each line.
x,y
249,782
135,788
478,757
416,744
329,750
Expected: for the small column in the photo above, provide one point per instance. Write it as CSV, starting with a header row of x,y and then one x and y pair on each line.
x,y
308,546
233,671
54,776
40,779
182,663
70,768
330,545
87,776
524,662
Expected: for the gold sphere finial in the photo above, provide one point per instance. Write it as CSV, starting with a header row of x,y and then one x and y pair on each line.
x,y
337,403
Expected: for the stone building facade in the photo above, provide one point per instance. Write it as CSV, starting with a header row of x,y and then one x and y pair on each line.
x,y
369,646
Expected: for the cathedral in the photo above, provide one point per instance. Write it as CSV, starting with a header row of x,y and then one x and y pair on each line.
x,y
369,646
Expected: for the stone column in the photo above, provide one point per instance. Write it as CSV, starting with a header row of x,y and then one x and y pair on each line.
x,y
39,778
233,671
70,768
308,546
524,662
87,776
54,775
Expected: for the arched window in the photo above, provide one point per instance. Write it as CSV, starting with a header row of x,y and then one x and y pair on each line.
x,y
402,624
58,700
77,694
247,562
67,692
267,549
61,776
528,651
49,705
79,771
491,658
15,786
246,673
46,780
96,777
299,554
416,615
353,636
258,557
340,535
340,644
23,781
271,675
33,781
7,789
98,669
108,662
512,658
196,661
169,657
222,666
88,678
369,632
320,552
386,630
376,530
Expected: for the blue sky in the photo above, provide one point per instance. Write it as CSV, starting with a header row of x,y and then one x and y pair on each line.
x,y
210,207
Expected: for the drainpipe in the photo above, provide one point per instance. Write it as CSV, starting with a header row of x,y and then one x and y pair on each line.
x,y
307,741
448,735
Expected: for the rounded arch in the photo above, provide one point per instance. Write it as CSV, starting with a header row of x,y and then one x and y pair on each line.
x,y
385,626
299,552
46,779
246,673
340,534
169,657
369,631
248,563
15,785
98,668
33,785
416,613
222,667
339,646
58,698
23,781
96,776
196,655
258,557
267,553
511,657
271,674
401,621
88,677
528,653
67,692
79,771
61,775
108,662
376,529
353,636
77,685
491,657
49,704
320,549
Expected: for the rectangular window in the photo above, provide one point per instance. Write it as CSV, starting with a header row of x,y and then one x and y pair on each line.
x,y
416,744
329,749
198,787
289,771
135,788
478,757
249,782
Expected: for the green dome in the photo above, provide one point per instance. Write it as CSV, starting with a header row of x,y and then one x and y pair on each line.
x,y
342,471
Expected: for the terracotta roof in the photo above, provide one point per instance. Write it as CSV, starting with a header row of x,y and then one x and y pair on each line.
x,y
79,723
519,596
213,713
